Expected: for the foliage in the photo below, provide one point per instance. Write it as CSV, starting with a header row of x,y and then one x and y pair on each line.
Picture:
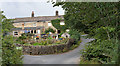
x,y
75,45
23,37
37,44
61,33
50,42
49,30
102,50
0,38
89,16
27,34
56,24
10,54
49,38
74,34
83,61
6,25
100,21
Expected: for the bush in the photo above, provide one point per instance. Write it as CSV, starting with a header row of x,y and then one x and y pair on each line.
x,y
74,34
25,36
41,43
56,24
60,34
104,51
82,61
36,44
49,30
0,56
10,55
76,45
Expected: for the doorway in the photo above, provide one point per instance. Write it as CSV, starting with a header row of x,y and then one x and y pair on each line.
x,y
59,31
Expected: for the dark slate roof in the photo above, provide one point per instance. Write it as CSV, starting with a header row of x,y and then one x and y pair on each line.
x,y
28,28
37,19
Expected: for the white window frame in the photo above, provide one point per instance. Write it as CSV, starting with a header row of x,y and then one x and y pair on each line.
x,y
49,24
15,33
62,23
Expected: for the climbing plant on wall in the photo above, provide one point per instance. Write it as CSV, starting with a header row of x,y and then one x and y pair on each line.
x,y
56,24
49,30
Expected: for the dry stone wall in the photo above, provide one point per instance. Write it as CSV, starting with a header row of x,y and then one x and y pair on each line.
x,y
47,49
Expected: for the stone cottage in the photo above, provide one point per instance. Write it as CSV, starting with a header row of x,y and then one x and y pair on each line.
x,y
35,25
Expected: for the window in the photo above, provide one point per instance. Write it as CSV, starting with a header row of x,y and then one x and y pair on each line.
x,y
67,30
15,33
28,31
49,24
38,31
62,23
34,31
34,24
59,31
25,31
31,31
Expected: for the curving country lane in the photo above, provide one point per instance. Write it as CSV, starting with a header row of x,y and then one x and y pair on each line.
x,y
71,57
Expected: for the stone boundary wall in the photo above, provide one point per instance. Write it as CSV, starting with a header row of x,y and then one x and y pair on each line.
x,y
48,49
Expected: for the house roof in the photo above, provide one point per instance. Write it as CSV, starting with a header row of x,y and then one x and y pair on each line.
x,y
37,19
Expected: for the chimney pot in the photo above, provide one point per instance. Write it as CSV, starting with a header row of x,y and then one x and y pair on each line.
x,y
56,13
32,14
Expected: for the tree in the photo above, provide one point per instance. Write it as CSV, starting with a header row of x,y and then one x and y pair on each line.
x,y
10,55
1,16
100,21
6,26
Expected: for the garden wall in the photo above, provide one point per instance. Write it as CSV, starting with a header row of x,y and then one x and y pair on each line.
x,y
48,49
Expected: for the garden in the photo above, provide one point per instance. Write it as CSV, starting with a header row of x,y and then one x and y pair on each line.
x,y
26,39
48,43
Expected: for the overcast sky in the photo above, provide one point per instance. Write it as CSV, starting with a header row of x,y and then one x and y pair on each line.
x,y
24,9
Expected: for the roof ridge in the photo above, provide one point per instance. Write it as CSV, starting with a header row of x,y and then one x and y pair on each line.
x,y
37,17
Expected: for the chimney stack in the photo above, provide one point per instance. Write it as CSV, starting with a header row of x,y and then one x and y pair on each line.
x,y
56,13
22,26
32,14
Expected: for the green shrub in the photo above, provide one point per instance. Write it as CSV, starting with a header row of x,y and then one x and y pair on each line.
x,y
49,30
41,43
74,34
25,36
56,24
49,41
44,42
50,38
10,55
36,44
60,34
76,45
82,61
105,51
0,56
